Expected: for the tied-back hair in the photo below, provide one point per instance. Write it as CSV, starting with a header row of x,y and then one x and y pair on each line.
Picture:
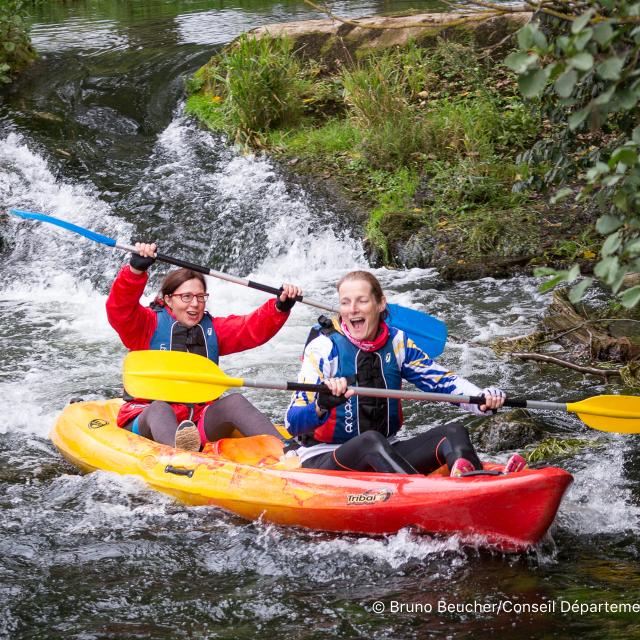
x,y
374,283
178,277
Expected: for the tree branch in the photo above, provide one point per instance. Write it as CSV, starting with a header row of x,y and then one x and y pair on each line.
x,y
557,336
594,371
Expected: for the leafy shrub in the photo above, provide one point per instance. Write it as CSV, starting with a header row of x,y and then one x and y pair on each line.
x,y
262,85
584,69
15,46
377,94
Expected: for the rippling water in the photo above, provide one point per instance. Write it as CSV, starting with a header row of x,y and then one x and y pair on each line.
x,y
95,134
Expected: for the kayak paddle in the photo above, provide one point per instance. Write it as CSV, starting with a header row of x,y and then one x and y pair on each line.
x,y
429,333
176,376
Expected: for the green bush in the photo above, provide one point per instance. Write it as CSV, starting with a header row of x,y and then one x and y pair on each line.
x,y
261,84
15,47
377,93
455,128
469,181
582,65
403,102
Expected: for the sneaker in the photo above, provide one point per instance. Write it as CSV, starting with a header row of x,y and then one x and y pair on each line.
x,y
460,467
515,463
187,436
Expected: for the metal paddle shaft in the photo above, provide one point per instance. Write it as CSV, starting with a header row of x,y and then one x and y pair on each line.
x,y
175,376
429,333
370,392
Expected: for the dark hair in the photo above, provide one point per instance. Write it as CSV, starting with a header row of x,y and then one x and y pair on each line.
x,y
175,278
374,283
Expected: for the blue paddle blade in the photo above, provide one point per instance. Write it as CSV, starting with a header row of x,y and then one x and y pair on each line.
x,y
429,333
92,235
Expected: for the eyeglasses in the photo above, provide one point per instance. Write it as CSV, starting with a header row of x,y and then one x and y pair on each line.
x,y
188,297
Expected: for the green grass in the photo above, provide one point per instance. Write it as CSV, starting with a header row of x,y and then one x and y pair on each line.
x,y
551,448
394,121
393,191
334,137
260,85
206,110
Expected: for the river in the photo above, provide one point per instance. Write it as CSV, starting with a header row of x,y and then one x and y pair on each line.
x,y
95,133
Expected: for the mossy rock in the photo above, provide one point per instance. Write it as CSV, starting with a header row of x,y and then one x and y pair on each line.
x,y
506,431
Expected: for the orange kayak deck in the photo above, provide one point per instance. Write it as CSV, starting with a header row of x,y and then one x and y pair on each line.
x,y
511,512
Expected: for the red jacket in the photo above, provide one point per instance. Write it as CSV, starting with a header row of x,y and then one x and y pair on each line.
x,y
136,325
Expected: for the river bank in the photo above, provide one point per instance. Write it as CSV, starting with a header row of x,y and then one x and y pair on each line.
x,y
422,133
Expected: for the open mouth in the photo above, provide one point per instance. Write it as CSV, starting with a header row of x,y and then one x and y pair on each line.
x,y
357,323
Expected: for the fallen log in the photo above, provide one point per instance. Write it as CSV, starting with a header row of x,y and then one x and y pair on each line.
x,y
594,371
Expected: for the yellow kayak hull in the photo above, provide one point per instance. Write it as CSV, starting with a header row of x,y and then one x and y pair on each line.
x,y
510,511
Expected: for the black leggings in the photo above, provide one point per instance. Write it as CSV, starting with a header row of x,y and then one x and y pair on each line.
x,y
158,421
371,451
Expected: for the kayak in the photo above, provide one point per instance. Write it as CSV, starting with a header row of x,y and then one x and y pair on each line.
x,y
251,478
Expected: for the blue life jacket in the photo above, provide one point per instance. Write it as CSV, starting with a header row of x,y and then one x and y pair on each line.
x,y
377,369
170,335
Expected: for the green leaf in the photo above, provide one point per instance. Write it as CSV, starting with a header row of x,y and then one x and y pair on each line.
x,y
605,96
581,22
549,284
532,83
611,244
582,39
561,194
525,36
635,135
573,273
631,297
610,68
578,117
563,43
633,247
544,271
603,33
539,39
611,181
625,155
598,169
565,83
607,268
10,47
621,200
608,224
553,70
616,285
582,61
577,292
519,61
626,99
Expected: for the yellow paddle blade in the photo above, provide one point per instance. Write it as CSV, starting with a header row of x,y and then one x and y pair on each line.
x,y
620,414
174,376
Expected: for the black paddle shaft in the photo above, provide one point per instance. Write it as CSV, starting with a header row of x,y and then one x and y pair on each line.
x,y
209,272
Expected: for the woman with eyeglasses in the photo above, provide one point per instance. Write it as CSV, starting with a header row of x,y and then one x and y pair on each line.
x,y
177,320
